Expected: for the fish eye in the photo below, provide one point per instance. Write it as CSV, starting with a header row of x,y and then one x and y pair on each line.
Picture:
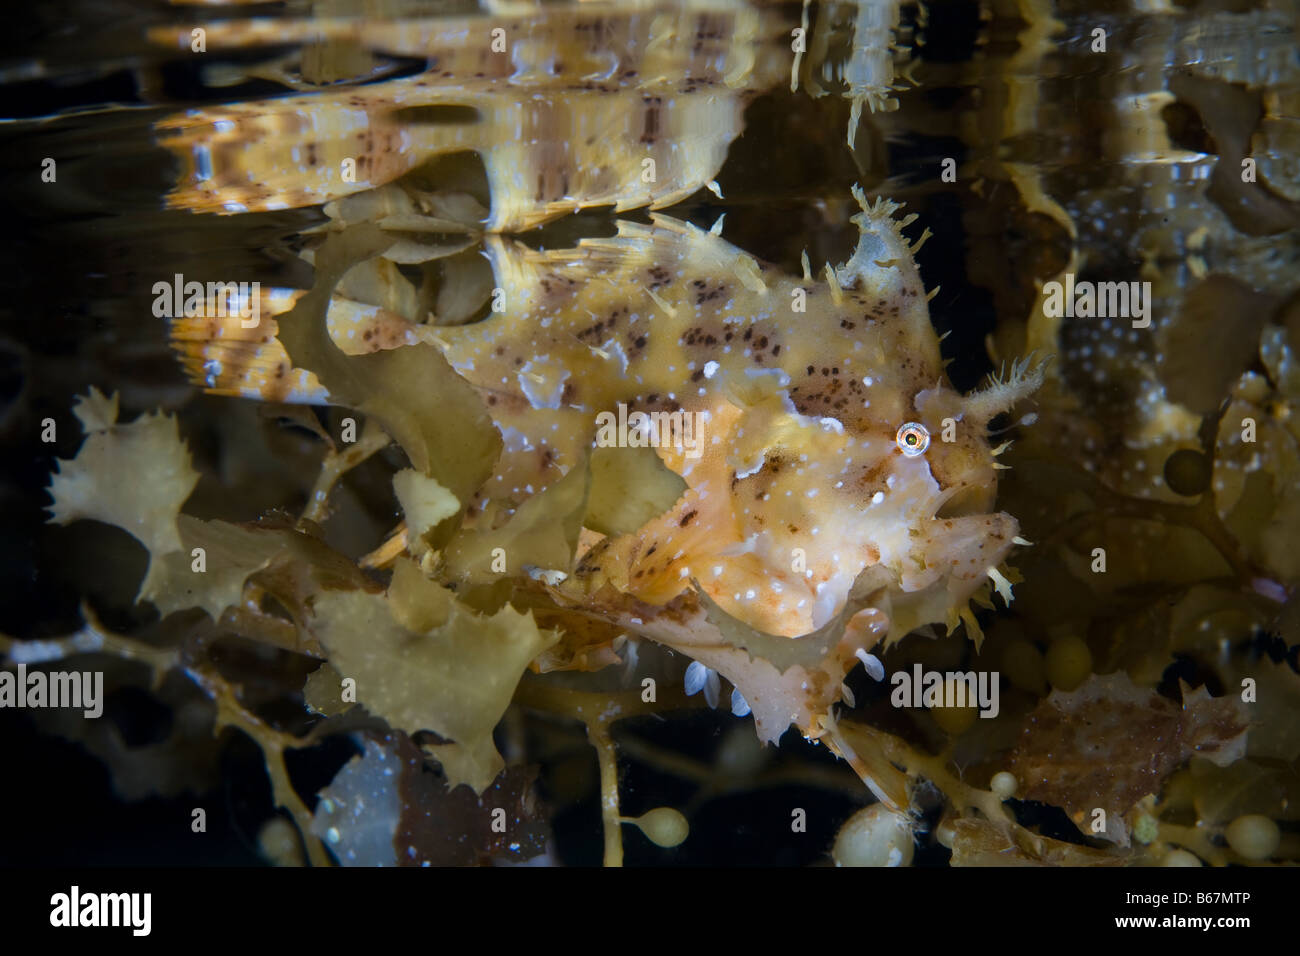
x,y
913,439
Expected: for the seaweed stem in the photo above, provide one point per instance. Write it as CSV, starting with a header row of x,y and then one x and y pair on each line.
x,y
607,756
336,464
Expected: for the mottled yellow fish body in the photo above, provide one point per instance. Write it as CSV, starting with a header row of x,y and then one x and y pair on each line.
x,y
638,46
799,484
224,356
577,108
543,155
796,481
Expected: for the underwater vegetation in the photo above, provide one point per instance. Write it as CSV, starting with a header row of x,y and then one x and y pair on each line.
x,y
852,433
